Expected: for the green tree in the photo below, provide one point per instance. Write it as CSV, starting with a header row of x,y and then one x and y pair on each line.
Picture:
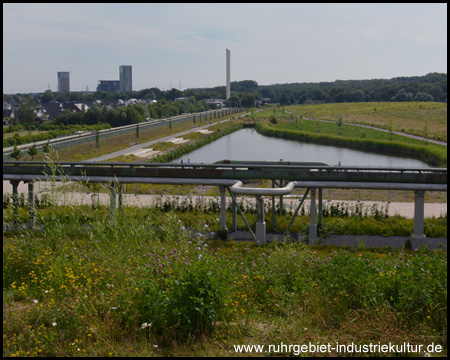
x,y
97,138
425,131
391,129
248,100
26,112
32,151
137,131
339,123
16,153
47,97
284,99
46,148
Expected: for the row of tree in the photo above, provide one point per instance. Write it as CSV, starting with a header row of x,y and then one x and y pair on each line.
x,y
430,87
131,114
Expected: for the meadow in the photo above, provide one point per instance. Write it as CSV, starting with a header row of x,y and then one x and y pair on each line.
x,y
158,282
294,127
428,119
154,283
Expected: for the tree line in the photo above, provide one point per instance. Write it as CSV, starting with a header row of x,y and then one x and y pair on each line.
x,y
430,87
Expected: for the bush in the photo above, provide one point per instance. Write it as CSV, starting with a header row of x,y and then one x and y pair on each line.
x,y
187,303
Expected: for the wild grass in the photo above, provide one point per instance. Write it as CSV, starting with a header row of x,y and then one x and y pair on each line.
x,y
110,145
153,283
357,138
407,117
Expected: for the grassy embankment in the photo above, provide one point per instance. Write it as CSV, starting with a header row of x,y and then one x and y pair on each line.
x,y
110,145
149,286
428,119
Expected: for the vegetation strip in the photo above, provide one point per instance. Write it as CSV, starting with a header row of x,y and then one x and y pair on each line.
x,y
430,155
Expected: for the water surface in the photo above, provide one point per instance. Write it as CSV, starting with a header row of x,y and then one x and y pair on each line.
x,y
248,144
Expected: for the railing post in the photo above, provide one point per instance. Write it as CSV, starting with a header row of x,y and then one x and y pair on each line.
x,y
223,208
31,204
234,216
15,198
112,202
281,199
419,214
260,223
120,198
313,226
320,207
273,208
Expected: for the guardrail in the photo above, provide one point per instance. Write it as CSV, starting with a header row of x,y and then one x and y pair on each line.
x,y
231,175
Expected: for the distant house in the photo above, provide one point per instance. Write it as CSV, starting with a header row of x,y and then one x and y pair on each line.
x,y
51,110
79,107
8,113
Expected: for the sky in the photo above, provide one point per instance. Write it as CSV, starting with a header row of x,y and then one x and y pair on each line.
x,y
184,45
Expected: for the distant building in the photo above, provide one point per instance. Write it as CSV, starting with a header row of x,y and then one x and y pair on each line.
x,y
78,108
108,85
125,78
63,81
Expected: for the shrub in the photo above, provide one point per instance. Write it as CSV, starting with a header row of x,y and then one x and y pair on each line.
x,y
187,303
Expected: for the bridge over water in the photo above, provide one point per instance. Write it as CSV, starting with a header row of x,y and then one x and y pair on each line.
x,y
232,176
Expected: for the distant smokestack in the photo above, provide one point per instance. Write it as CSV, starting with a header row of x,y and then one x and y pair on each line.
x,y
228,75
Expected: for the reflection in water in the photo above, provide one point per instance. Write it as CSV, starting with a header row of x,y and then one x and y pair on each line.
x,y
247,144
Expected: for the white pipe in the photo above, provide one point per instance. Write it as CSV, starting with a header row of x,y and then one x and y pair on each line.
x,y
238,189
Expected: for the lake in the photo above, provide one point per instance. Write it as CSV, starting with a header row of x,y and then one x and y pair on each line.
x,y
248,144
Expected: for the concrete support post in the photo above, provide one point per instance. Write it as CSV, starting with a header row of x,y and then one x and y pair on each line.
x,y
234,216
112,202
320,207
31,204
419,214
273,208
223,208
313,226
15,198
120,198
260,223
281,199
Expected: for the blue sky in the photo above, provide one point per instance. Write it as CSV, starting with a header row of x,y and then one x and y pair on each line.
x,y
184,44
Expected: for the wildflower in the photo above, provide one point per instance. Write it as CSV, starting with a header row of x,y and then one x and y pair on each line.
x,y
206,225
54,323
35,301
145,325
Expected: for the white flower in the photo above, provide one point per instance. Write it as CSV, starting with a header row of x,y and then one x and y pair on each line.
x,y
35,301
46,291
145,325
54,323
